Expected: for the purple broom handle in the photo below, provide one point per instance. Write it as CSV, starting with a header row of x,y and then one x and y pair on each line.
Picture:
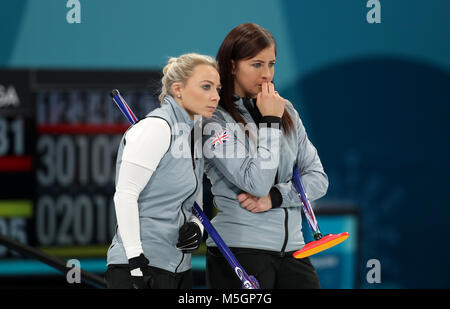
x,y
307,209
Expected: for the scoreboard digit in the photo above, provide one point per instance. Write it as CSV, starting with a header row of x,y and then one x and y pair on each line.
x,y
16,157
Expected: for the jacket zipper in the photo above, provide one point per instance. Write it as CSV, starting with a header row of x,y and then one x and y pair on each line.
x,y
182,256
184,215
286,233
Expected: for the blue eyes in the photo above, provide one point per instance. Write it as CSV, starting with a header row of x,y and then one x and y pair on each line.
x,y
207,87
258,65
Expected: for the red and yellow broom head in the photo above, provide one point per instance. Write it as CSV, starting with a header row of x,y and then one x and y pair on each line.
x,y
320,245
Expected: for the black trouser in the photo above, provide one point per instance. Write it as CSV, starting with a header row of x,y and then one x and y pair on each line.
x,y
272,270
118,277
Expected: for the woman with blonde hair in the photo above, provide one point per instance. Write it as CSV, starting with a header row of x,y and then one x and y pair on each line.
x,y
156,231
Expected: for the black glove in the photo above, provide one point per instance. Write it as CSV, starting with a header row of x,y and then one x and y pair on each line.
x,y
189,237
145,280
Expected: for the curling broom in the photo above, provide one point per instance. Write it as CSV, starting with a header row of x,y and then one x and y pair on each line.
x,y
320,243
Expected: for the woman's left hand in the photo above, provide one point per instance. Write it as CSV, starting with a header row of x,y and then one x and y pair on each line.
x,y
255,204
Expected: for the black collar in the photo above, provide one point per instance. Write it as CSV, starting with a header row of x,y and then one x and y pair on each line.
x,y
250,105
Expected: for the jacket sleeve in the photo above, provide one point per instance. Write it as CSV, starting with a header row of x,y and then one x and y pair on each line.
x,y
310,168
252,169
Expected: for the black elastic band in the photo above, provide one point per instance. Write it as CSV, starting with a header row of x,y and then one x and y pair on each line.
x,y
275,197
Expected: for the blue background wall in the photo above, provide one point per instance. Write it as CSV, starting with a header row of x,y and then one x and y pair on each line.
x,y
374,97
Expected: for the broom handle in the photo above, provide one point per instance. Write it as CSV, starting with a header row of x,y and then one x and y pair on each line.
x,y
307,209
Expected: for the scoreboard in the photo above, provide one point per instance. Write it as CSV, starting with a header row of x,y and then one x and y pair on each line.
x,y
59,136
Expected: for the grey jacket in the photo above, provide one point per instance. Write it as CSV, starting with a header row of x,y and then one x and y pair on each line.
x,y
260,163
165,203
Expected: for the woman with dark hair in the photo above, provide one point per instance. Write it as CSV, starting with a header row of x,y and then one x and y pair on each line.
x,y
255,139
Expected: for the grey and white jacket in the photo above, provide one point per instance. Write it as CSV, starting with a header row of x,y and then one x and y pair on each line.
x,y
258,164
165,203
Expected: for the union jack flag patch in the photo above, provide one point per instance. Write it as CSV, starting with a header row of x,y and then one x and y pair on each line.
x,y
220,138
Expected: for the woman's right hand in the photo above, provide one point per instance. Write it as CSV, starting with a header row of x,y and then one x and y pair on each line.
x,y
269,102
253,203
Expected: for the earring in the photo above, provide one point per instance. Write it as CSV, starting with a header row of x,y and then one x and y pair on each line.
x,y
179,96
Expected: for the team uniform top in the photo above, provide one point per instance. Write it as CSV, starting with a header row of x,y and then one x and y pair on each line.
x,y
156,186
257,164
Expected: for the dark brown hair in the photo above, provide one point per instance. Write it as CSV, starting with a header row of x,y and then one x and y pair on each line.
x,y
243,42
